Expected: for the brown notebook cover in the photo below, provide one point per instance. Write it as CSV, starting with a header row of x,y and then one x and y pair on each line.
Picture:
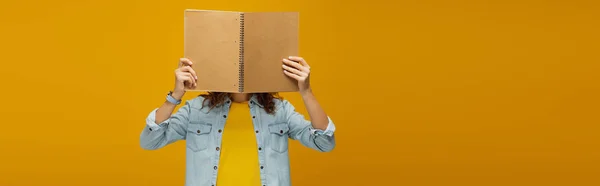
x,y
241,51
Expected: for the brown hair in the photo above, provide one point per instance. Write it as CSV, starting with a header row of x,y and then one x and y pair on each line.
x,y
218,98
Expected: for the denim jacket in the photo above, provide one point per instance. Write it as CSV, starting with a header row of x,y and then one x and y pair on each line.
x,y
202,129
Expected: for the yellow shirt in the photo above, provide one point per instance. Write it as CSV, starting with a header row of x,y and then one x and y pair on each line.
x,y
238,165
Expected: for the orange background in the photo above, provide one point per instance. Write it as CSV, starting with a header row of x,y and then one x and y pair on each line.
x,y
423,92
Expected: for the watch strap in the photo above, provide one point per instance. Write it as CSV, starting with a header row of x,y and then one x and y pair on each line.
x,y
171,99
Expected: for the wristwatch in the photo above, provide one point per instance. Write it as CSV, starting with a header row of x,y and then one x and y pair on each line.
x,y
171,99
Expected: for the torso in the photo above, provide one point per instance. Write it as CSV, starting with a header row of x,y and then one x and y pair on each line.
x,y
207,129
238,164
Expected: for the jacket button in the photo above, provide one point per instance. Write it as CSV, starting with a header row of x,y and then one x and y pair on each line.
x,y
228,102
261,167
219,130
150,129
257,131
217,148
224,116
253,116
215,167
259,148
281,131
198,131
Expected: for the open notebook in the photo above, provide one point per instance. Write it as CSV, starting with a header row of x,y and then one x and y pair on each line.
x,y
241,51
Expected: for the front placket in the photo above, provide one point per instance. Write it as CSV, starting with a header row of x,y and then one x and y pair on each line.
x,y
261,157
222,118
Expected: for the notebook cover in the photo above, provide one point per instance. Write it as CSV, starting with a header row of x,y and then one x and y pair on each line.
x,y
268,38
220,42
211,42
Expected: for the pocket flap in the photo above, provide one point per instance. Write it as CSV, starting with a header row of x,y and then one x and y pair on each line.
x,y
280,128
199,128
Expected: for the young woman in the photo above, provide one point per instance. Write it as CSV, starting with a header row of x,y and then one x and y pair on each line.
x,y
238,139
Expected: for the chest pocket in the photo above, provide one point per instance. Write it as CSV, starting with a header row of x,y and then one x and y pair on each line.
x,y
197,138
278,134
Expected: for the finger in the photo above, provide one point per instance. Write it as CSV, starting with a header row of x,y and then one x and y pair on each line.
x,y
293,70
292,64
299,60
183,79
185,62
183,76
188,80
292,75
190,70
192,80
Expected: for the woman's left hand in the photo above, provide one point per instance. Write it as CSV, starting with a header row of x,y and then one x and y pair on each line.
x,y
297,68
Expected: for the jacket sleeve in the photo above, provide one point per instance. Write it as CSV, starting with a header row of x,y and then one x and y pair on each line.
x,y
155,136
302,130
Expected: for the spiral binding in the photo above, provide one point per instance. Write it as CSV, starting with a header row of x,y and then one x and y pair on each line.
x,y
241,57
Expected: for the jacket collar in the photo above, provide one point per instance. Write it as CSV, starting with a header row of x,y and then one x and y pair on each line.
x,y
253,100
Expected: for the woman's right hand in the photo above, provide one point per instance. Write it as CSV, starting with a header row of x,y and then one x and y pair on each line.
x,y
185,77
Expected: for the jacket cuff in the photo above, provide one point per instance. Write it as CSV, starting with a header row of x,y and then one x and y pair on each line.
x,y
328,131
151,121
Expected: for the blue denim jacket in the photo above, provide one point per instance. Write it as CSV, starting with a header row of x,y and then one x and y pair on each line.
x,y
201,128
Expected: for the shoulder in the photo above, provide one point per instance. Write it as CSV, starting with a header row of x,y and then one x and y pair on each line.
x,y
283,105
196,102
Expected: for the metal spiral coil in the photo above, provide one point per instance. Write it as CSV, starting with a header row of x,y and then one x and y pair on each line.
x,y
241,56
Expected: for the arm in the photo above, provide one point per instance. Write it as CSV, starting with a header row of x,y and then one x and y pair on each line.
x,y
298,69
304,130
318,117
160,132
311,133
162,128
